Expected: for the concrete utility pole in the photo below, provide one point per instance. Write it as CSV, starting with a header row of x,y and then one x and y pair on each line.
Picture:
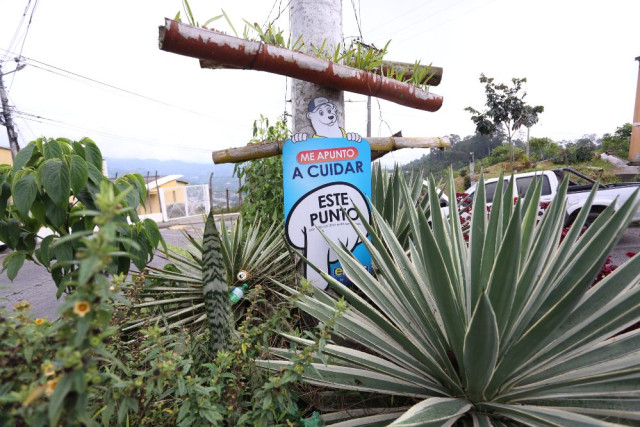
x,y
6,113
634,148
317,21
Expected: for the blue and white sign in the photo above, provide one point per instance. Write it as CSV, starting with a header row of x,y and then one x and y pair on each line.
x,y
324,180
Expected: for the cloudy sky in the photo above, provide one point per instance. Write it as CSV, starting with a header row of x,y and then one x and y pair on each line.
x,y
94,69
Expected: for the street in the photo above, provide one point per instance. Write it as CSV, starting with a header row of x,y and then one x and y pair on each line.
x,y
34,284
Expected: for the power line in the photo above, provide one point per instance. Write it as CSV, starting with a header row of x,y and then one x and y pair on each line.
x,y
421,21
389,21
66,74
447,21
17,32
52,122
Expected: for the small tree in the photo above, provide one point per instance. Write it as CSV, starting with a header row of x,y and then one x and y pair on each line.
x,y
618,143
506,109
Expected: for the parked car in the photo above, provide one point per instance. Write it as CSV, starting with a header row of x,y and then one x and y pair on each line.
x,y
579,187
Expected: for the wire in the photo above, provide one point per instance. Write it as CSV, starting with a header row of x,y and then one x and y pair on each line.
x,y
15,34
355,12
84,79
389,21
280,11
422,19
59,123
447,21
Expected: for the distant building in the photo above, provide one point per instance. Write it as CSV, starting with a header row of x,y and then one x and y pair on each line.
x,y
5,156
170,194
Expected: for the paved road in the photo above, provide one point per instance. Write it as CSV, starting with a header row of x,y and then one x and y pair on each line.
x,y
34,284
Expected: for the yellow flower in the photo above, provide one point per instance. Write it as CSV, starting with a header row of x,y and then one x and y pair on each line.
x,y
50,386
22,306
81,308
33,395
48,369
39,321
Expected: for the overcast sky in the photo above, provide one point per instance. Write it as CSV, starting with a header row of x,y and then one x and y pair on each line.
x,y
94,69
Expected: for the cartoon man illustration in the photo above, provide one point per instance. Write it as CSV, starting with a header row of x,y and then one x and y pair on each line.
x,y
324,119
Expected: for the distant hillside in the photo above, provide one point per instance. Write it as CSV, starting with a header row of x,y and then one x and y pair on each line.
x,y
193,173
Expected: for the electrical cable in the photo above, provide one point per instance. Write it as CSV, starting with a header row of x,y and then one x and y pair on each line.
x,y
15,34
388,21
59,123
446,22
84,79
421,21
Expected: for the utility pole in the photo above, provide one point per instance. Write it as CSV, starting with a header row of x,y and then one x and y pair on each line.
x,y
368,116
6,113
317,22
634,148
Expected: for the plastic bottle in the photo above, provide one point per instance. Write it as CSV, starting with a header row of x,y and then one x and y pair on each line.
x,y
237,293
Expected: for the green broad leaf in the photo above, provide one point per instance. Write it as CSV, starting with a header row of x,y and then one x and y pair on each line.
x,y
39,210
56,181
82,329
78,149
23,157
481,345
55,214
435,411
56,401
88,267
63,252
24,193
10,232
79,173
92,153
43,253
95,177
152,232
13,263
52,150
5,194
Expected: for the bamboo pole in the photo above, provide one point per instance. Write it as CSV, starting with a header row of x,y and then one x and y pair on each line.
x,y
233,52
274,148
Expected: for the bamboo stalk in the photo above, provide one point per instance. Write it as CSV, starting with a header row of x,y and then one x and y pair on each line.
x,y
274,148
233,52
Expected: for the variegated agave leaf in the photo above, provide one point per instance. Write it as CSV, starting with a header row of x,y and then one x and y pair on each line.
x,y
174,295
504,328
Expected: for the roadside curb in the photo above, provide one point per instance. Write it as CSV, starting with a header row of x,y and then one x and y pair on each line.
x,y
196,220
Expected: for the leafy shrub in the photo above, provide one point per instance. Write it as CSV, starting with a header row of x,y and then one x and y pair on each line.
x,y
262,187
619,142
503,330
51,184
78,370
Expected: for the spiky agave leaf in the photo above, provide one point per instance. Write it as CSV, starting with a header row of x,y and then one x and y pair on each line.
x,y
175,292
505,328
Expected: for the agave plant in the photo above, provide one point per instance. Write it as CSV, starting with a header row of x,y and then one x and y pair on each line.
x,y
386,197
174,293
506,329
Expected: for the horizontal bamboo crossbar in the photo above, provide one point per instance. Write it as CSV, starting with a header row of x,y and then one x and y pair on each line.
x,y
274,148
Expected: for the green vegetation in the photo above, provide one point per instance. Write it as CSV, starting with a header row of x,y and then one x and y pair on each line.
x,y
505,329
134,351
263,196
53,183
505,110
358,55
618,143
